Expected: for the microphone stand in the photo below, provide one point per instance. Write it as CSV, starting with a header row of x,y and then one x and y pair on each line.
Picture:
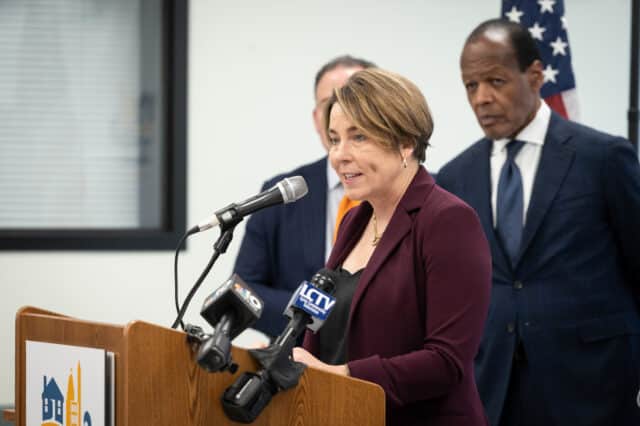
x,y
245,399
219,247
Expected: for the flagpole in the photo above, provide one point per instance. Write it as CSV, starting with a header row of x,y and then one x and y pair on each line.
x,y
633,78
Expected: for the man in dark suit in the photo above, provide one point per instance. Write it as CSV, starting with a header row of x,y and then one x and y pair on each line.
x,y
286,244
560,205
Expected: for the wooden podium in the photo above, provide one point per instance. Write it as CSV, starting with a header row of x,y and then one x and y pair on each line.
x,y
159,383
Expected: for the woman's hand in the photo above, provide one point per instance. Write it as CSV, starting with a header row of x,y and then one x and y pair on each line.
x,y
303,356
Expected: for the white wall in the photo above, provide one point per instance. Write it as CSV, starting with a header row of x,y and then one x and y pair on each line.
x,y
251,74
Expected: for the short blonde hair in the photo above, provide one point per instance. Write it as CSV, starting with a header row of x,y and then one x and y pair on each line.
x,y
386,107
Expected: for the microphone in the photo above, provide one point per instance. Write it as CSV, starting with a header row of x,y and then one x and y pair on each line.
x,y
286,191
309,307
230,310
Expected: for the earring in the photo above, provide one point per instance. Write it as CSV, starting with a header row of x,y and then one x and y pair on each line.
x,y
404,162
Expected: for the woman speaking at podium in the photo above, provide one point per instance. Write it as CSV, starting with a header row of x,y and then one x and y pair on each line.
x,y
413,263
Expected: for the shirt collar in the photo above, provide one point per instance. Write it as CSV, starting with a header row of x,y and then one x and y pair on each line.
x,y
333,180
534,132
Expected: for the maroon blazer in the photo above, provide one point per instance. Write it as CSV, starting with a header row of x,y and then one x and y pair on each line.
x,y
419,309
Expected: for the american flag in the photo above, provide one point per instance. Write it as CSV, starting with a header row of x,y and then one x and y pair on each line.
x,y
546,22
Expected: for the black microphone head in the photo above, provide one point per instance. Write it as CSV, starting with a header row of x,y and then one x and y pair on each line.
x,y
325,280
292,188
234,298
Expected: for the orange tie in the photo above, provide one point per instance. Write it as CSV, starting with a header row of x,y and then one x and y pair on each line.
x,y
345,205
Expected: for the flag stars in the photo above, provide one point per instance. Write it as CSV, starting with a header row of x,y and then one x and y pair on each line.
x,y
564,22
514,14
546,6
536,31
549,74
559,47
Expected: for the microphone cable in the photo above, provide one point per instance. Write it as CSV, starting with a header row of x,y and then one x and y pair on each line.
x,y
175,271
195,288
219,247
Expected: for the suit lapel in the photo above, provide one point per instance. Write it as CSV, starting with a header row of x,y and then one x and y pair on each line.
x,y
397,229
555,161
314,225
399,226
478,190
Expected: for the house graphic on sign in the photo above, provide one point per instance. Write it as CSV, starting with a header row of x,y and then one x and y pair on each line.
x,y
56,407
52,401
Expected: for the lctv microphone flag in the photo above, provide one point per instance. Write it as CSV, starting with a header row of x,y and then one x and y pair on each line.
x,y
546,22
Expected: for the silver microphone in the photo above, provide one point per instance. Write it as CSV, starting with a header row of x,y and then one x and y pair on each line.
x,y
286,191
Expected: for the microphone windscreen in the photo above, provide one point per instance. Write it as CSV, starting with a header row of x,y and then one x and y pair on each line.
x,y
293,188
325,279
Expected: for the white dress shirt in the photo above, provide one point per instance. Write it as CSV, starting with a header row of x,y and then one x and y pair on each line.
x,y
527,159
335,192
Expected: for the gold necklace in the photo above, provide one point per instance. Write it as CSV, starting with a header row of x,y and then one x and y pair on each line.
x,y
376,237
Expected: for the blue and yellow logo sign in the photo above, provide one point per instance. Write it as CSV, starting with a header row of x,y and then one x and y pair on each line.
x,y
64,409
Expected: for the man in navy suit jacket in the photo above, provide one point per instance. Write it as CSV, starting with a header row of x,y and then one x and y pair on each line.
x,y
286,244
561,344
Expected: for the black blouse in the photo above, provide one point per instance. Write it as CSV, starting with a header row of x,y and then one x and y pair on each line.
x,y
333,334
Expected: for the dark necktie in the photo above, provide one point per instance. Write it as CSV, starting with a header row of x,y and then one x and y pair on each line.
x,y
510,203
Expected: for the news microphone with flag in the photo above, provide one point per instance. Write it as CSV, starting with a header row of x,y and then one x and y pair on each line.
x,y
309,307
231,309
286,191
